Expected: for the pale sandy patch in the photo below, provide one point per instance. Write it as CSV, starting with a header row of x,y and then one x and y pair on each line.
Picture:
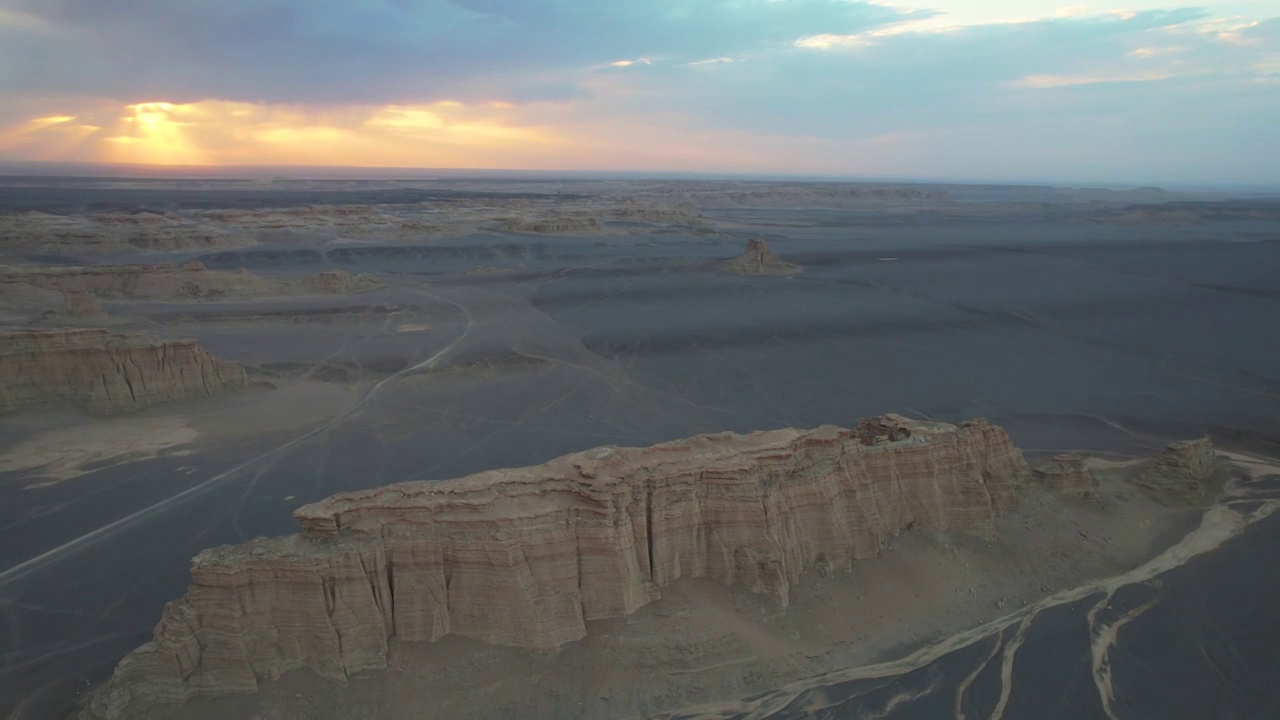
x,y
290,406
66,453
1097,463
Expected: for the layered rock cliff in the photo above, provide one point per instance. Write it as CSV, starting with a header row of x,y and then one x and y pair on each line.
x,y
103,372
1182,472
527,557
758,259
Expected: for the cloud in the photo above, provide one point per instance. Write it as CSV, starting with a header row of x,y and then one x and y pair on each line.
x,y
235,133
629,63
17,20
322,51
963,89
1151,52
1060,81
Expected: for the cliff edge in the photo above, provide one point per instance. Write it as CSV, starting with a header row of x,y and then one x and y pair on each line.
x,y
526,557
104,372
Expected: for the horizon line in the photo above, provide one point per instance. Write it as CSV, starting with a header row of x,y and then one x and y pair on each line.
x,y
195,172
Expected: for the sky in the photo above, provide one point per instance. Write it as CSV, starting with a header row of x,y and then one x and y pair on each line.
x,y
1139,92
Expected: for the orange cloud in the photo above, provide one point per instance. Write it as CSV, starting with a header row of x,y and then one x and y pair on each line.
x,y
442,134
215,132
46,138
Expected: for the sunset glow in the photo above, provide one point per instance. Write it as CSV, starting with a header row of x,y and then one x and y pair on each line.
x,y
218,132
967,89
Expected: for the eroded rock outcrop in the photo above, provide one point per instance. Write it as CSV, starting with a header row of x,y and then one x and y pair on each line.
x,y
758,259
1182,472
340,281
81,304
104,373
682,214
112,233
1067,474
527,557
545,225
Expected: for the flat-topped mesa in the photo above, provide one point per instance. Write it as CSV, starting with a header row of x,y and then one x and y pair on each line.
x,y
758,259
103,372
526,557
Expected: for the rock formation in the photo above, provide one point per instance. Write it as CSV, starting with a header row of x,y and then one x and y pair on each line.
x,y
1182,472
340,281
139,282
112,233
684,214
81,304
758,259
527,557
103,372
189,281
21,303
545,225
1067,474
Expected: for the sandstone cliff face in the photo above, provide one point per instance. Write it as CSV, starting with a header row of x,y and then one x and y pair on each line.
x,y
527,557
103,372
1183,471
1067,474
758,259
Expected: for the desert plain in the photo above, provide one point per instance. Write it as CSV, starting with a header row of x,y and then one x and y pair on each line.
x,y
351,334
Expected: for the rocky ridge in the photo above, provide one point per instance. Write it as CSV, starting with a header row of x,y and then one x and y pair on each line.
x,y
118,233
104,373
527,557
188,281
